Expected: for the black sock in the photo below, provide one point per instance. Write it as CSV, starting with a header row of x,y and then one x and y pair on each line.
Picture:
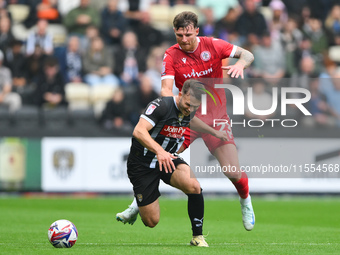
x,y
196,212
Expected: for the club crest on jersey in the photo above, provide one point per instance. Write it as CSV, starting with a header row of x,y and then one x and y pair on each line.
x,y
205,55
140,197
184,60
150,109
180,117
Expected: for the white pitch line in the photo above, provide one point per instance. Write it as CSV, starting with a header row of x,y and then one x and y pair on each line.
x,y
174,244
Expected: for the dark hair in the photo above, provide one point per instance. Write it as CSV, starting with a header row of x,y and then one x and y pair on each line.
x,y
194,87
185,19
51,62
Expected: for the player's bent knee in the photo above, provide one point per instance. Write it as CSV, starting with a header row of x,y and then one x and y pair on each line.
x,y
194,188
151,222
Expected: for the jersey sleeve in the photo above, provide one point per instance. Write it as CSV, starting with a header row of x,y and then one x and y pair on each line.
x,y
155,111
224,49
168,71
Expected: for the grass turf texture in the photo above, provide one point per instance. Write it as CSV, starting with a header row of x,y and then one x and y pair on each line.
x,y
283,226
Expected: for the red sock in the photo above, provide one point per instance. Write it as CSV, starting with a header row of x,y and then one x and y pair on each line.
x,y
242,186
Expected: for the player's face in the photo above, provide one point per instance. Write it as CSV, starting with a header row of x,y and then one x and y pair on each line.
x,y
187,37
188,104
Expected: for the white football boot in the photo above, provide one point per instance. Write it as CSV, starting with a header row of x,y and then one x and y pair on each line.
x,y
128,216
248,215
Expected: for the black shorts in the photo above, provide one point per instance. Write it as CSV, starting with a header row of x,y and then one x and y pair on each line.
x,y
145,180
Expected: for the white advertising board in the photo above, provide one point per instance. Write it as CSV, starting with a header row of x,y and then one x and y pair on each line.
x,y
99,165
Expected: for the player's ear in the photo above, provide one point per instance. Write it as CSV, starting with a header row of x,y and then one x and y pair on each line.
x,y
197,30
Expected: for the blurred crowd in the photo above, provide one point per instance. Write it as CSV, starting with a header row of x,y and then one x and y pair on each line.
x,y
49,48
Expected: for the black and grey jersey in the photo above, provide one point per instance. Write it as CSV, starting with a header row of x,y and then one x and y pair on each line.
x,y
169,125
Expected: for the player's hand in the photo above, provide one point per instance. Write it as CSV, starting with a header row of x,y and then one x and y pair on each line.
x,y
165,161
235,70
221,135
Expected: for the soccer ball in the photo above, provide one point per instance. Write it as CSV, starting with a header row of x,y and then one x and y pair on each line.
x,y
62,234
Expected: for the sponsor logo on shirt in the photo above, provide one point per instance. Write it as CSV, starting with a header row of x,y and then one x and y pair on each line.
x,y
150,109
198,74
205,55
173,132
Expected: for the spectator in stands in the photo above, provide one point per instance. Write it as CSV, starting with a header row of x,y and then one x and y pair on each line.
x,y
85,42
321,112
314,31
115,114
207,28
70,60
48,9
262,100
40,37
50,90
16,62
7,97
134,10
145,92
131,58
4,13
98,65
330,87
307,71
113,23
219,7
291,38
279,18
34,64
154,67
225,27
78,19
269,60
332,23
147,35
251,24
6,36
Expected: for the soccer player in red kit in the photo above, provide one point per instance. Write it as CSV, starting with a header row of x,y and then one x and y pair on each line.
x,y
196,57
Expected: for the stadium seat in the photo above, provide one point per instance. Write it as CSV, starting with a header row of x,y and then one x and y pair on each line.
x,y
20,32
160,17
266,12
59,34
100,94
82,119
55,118
78,96
28,117
19,12
4,116
334,53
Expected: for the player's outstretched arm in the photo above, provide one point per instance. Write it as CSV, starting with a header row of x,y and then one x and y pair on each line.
x,y
141,133
167,85
245,59
199,126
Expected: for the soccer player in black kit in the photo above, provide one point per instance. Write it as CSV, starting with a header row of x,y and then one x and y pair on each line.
x,y
156,137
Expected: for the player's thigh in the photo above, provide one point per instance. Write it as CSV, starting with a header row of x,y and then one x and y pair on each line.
x,y
184,179
227,156
150,213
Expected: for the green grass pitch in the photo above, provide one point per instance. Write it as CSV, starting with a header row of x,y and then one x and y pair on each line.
x,y
302,225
